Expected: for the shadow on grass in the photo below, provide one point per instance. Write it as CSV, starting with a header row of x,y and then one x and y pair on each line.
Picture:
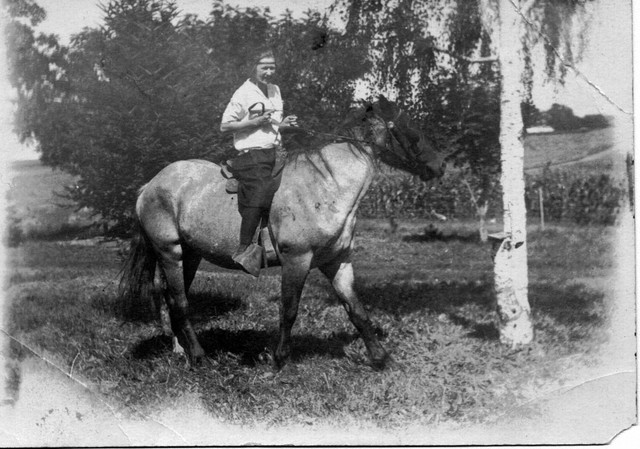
x,y
472,305
573,304
202,307
433,234
249,345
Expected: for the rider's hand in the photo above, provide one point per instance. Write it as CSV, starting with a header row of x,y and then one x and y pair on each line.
x,y
261,120
290,120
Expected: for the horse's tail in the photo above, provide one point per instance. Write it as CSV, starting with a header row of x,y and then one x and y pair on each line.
x,y
136,289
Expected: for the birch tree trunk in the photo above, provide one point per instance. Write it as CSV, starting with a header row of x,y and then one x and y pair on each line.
x,y
510,263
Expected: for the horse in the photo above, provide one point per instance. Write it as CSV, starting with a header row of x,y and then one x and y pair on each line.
x,y
184,215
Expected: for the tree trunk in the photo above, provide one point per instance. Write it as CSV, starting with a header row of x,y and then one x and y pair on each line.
x,y
482,215
510,263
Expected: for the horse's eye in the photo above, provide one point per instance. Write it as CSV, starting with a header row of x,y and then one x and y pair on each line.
x,y
412,135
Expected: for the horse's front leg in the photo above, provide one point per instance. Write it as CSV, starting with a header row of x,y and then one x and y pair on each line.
x,y
341,276
294,274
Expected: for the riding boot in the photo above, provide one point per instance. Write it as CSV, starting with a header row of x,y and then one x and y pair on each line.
x,y
248,255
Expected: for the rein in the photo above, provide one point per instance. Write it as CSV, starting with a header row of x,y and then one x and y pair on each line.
x,y
404,157
338,136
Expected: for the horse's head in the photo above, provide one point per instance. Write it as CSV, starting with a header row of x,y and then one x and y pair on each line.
x,y
401,143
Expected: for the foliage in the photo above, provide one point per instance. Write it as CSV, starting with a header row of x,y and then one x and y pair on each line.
x,y
421,51
403,196
149,88
33,63
562,118
569,196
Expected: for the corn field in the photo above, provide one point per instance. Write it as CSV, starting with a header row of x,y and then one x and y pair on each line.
x,y
569,197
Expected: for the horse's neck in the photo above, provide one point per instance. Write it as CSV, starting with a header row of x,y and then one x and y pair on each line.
x,y
348,170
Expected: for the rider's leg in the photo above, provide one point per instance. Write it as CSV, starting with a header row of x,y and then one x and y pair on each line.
x,y
250,221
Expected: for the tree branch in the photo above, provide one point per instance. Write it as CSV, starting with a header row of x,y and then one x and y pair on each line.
x,y
478,60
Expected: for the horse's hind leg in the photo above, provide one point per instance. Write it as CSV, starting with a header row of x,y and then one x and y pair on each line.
x,y
178,272
341,276
190,263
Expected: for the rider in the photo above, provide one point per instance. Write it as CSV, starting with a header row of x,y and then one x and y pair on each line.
x,y
254,116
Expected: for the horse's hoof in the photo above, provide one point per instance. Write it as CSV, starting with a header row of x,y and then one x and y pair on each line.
x,y
380,364
195,357
194,362
279,363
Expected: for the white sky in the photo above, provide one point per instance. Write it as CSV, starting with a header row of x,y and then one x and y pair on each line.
x,y
606,65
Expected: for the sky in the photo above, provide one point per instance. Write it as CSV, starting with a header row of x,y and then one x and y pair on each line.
x,y
601,85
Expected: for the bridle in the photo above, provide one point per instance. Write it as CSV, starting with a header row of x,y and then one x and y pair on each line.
x,y
404,156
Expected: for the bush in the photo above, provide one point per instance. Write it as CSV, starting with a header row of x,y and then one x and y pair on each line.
x,y
576,197
403,196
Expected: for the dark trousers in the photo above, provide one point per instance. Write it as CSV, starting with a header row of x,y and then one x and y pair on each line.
x,y
258,179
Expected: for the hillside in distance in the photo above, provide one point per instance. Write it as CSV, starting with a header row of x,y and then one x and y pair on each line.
x,y
601,150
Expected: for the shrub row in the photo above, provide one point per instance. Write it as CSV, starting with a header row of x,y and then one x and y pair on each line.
x,y
575,197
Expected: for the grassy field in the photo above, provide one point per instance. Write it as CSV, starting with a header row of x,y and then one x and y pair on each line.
x,y
428,289
37,207
562,148
431,298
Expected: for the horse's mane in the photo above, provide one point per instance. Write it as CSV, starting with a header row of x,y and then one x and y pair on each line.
x,y
353,131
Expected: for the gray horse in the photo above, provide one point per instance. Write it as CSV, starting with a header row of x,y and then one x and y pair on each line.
x,y
185,215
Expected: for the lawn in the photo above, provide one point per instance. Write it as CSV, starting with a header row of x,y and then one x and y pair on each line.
x,y
561,148
429,293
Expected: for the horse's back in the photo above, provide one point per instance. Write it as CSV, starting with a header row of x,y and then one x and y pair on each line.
x,y
187,202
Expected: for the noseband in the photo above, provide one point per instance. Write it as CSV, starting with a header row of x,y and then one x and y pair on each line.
x,y
402,156
393,150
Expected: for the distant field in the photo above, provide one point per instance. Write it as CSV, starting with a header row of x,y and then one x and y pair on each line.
x,y
36,205
596,151
561,148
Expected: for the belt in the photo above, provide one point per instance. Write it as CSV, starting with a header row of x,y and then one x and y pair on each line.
x,y
246,150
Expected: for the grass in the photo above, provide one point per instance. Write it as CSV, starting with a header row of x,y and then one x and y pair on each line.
x,y
429,294
562,148
37,207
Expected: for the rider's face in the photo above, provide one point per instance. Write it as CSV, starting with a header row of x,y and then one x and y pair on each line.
x,y
265,70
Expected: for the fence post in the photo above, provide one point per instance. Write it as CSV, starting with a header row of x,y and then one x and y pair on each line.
x,y
541,208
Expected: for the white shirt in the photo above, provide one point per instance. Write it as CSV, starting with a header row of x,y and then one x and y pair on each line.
x,y
238,111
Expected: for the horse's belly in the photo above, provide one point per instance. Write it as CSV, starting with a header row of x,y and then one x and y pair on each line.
x,y
210,224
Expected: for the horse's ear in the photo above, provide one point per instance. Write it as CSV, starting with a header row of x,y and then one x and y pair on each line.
x,y
385,105
368,110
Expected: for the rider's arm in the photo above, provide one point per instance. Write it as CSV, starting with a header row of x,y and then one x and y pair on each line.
x,y
253,123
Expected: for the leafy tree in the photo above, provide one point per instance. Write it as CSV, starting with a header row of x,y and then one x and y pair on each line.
x,y
149,87
34,62
595,121
531,115
561,118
